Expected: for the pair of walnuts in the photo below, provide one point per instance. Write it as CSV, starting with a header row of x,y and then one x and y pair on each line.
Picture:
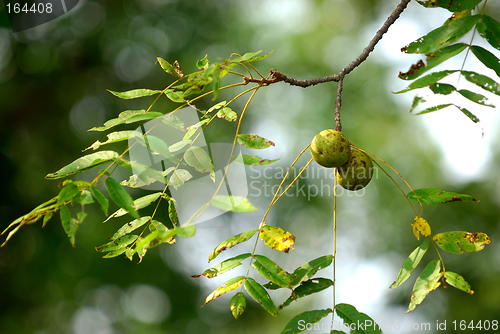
x,y
330,148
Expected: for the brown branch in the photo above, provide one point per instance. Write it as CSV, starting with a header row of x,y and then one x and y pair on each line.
x,y
338,104
277,76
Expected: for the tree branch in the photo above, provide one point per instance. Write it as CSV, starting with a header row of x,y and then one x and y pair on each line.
x,y
277,76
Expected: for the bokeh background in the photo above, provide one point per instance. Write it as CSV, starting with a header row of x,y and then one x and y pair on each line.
x,y
53,81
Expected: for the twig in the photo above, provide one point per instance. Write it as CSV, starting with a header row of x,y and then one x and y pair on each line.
x,y
278,76
338,104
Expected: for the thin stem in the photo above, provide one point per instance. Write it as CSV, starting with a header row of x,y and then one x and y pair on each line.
x,y
334,243
291,184
355,63
338,105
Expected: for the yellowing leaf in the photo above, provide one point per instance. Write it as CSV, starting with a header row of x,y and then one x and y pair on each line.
x,y
422,226
275,238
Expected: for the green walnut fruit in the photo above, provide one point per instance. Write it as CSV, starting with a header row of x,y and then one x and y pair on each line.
x,y
330,148
356,173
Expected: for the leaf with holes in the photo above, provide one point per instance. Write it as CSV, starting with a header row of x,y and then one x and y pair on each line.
x,y
228,114
275,238
179,177
272,271
260,295
165,65
411,263
229,286
231,242
482,81
118,243
252,160
427,281
70,225
113,137
459,242
138,204
224,266
449,32
475,97
297,324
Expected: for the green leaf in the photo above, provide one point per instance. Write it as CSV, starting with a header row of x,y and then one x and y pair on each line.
x,y
474,97
154,144
133,94
301,322
118,243
307,271
435,108
487,58
84,163
254,141
232,203
175,96
238,304
482,81
138,204
361,322
433,59
275,238
120,196
442,88
425,283
224,266
246,57
437,196
165,65
216,107
186,232
231,242
307,288
272,271
179,145
411,263
416,101
199,159
229,286
67,193
260,295
127,117
173,121
172,212
457,281
253,160
113,137
203,63
179,177
115,253
228,114
469,114
163,233
427,80
452,6
459,242
129,227
489,29
70,225
451,31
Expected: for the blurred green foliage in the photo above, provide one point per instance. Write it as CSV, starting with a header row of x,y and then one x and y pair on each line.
x,y
53,82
